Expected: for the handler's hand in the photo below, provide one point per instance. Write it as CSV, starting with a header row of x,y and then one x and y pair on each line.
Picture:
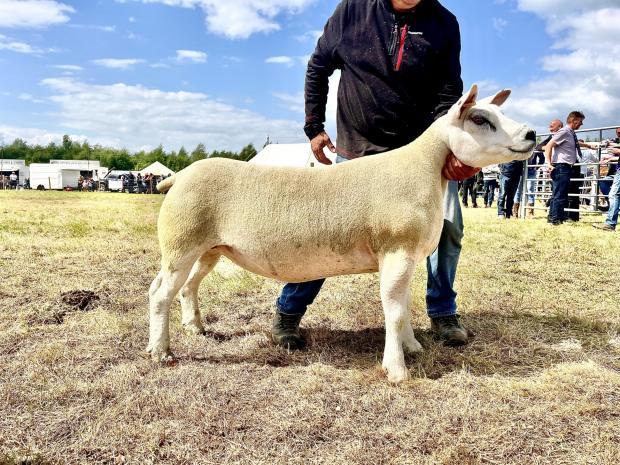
x,y
455,170
316,145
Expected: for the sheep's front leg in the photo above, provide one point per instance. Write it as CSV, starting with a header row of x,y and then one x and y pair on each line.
x,y
396,270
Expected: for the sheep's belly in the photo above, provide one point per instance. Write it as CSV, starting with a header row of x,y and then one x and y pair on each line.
x,y
321,263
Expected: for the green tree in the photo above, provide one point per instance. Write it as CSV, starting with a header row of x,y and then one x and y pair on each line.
x,y
199,153
247,153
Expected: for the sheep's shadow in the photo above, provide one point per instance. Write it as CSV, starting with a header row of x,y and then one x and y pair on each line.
x,y
514,344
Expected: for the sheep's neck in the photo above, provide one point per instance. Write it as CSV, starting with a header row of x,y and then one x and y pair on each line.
x,y
427,154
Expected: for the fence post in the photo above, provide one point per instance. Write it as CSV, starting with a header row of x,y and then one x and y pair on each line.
x,y
522,209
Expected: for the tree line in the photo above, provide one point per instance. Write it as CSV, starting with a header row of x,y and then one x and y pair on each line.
x,y
120,159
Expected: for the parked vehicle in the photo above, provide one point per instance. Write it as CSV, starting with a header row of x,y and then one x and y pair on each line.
x,y
114,180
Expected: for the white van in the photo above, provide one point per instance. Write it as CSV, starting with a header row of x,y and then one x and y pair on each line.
x,y
113,180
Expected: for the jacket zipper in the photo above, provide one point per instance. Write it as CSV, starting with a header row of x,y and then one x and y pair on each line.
x,y
393,40
401,47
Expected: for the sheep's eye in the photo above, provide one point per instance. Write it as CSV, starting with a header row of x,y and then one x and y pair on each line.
x,y
479,120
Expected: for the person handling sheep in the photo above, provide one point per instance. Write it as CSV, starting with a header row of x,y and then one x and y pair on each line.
x,y
400,71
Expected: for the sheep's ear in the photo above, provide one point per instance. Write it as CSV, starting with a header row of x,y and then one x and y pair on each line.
x,y
498,98
467,101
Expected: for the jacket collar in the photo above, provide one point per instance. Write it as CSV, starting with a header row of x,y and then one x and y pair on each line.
x,y
424,7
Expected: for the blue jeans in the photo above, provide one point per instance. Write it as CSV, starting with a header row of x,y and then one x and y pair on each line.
x,y
614,202
441,266
507,188
559,197
489,191
519,192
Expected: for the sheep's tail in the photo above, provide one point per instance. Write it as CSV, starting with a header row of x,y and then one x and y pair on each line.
x,y
166,184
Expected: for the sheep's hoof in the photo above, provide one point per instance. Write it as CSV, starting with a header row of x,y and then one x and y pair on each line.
x,y
193,329
163,357
396,375
413,346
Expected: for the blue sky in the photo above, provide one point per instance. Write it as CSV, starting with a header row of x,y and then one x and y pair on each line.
x,y
137,73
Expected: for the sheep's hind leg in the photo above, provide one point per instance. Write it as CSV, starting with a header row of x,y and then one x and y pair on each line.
x,y
396,270
161,293
410,343
189,293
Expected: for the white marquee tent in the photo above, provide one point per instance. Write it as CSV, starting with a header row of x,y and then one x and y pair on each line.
x,y
157,169
287,155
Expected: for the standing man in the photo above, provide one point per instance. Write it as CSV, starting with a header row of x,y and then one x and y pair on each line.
x,y
509,178
469,188
400,70
561,153
538,158
614,193
13,180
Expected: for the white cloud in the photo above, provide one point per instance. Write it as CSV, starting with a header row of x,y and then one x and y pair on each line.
x,y
118,63
499,24
29,98
582,73
549,8
136,116
132,19
37,136
239,19
281,60
191,56
295,103
7,43
288,61
310,36
68,67
33,13
94,26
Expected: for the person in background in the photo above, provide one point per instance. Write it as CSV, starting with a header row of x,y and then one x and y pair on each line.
x,y
469,188
400,71
608,169
13,179
131,182
561,153
489,176
509,177
614,193
538,158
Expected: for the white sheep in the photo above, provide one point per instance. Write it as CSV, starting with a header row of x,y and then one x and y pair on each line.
x,y
381,213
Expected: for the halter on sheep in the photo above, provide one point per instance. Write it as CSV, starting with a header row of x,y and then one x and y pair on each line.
x,y
381,213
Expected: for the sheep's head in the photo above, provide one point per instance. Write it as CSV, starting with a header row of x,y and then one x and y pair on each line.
x,y
479,134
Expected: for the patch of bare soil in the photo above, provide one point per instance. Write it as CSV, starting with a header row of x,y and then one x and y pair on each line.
x,y
80,299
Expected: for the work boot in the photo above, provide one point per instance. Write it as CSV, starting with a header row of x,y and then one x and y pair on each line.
x,y
515,209
604,227
285,331
449,329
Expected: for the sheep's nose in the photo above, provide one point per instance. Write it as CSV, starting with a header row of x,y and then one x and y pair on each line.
x,y
530,135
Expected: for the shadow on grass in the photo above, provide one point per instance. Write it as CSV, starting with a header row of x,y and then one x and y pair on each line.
x,y
514,344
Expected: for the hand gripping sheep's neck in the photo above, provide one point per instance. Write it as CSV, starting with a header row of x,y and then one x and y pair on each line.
x,y
381,213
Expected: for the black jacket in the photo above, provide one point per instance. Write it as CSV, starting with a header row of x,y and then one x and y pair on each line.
x,y
390,89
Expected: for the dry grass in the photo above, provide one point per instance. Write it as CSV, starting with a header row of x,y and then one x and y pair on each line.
x,y
539,384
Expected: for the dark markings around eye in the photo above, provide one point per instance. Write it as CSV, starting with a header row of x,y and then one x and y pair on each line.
x,y
480,120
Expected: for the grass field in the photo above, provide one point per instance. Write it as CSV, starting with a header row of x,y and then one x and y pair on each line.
x,y
540,383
